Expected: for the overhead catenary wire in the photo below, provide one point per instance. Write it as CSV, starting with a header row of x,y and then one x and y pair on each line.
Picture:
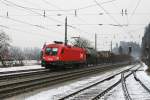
x,y
80,14
50,18
134,10
50,4
75,13
74,24
127,18
95,0
28,9
118,24
68,10
138,3
47,17
107,13
66,13
23,31
30,24
47,2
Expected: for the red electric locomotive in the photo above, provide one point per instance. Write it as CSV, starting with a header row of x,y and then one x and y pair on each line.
x,y
59,55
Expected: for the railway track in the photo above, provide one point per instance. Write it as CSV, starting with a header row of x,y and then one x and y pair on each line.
x,y
124,87
24,73
127,95
131,88
141,83
21,73
97,90
20,84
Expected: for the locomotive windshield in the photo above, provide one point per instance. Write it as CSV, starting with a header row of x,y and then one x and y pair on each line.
x,y
48,50
51,51
54,51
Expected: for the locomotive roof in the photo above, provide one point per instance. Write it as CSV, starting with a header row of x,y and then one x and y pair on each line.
x,y
56,45
59,45
62,45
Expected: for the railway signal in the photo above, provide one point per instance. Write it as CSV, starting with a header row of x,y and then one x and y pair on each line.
x,y
130,50
147,49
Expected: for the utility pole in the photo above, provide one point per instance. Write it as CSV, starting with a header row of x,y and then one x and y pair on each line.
x,y
111,46
66,31
96,47
96,42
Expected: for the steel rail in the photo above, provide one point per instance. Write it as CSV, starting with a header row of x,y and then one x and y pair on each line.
x,y
13,74
141,83
110,88
30,73
11,89
114,85
106,79
124,88
25,73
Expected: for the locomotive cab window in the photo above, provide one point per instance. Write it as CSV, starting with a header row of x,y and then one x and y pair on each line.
x,y
54,51
48,50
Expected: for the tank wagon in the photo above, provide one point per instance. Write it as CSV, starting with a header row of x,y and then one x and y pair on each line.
x,y
91,56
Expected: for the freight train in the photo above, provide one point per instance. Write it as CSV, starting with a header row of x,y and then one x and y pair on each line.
x,y
59,55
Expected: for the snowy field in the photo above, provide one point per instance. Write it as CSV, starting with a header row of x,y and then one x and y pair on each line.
x,y
20,68
25,62
29,64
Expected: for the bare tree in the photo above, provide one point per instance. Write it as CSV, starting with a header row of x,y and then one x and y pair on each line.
x,y
4,46
17,54
32,53
81,42
36,53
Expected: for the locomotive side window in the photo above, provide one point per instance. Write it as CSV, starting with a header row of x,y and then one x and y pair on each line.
x,y
54,51
62,51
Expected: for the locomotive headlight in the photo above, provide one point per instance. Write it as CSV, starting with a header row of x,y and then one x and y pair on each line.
x,y
50,59
57,58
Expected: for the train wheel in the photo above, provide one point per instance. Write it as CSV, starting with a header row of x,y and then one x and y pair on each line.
x,y
46,67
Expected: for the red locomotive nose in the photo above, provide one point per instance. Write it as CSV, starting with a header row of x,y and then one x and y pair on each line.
x,y
51,58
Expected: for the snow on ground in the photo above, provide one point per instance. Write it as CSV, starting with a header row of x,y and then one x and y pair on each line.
x,y
61,91
20,68
145,66
56,93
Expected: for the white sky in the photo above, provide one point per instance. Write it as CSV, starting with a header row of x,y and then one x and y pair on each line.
x,y
22,23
